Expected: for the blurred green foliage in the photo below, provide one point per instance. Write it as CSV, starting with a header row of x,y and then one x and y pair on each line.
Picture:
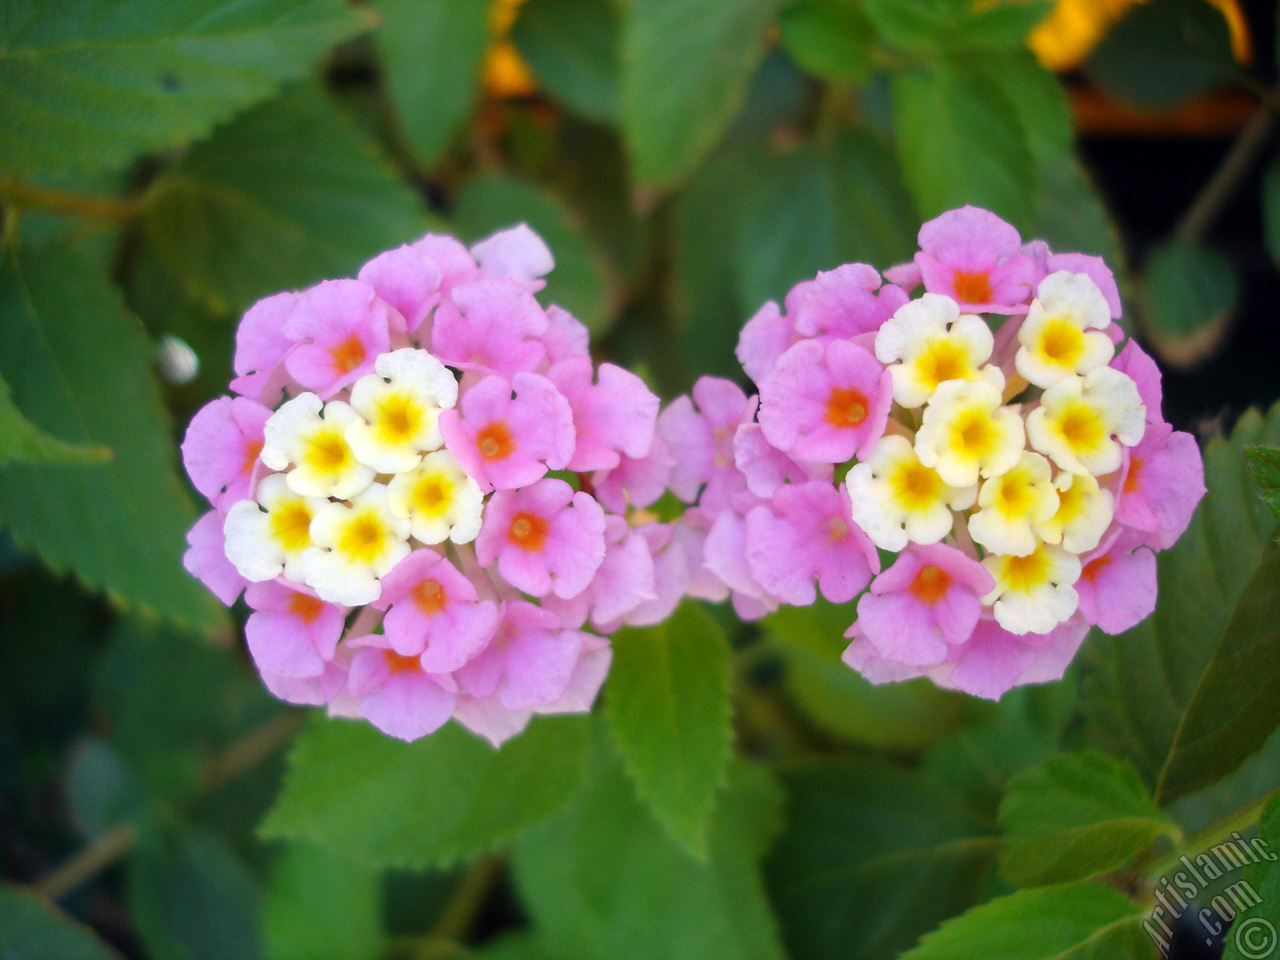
x,y
164,163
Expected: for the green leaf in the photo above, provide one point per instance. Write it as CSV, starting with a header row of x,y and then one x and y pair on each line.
x,y
1188,295
80,369
284,196
668,706
572,48
21,441
431,55
874,856
603,880
578,281
1253,934
950,26
102,791
962,142
1075,816
33,929
899,716
90,84
1264,467
685,67
319,905
441,799
816,208
1074,921
1191,692
1039,101
1071,215
831,39
191,899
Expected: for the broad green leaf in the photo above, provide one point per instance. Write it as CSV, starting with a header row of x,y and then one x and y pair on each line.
x,y
284,196
668,706
1073,921
1191,691
319,905
816,208
1257,898
32,929
1162,54
1188,295
874,856
79,367
685,68
1075,816
444,798
89,84
603,880
950,26
21,441
1071,215
899,716
1038,99
831,39
102,791
578,282
431,55
572,47
961,141
191,899
1264,466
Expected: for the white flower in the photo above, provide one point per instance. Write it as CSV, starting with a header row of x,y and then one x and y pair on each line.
x,y
1012,504
268,537
439,499
324,465
400,416
1079,416
896,499
1084,513
356,544
1035,593
934,343
966,431
1062,334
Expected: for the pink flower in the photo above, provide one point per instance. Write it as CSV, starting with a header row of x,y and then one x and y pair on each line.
x,y
614,416
1117,586
927,602
291,633
455,263
566,335
671,575
636,482
700,439
505,441
976,259
765,467
261,346
407,279
1163,483
545,537
221,448
624,580
994,660
206,558
724,554
435,613
530,661
807,535
516,254
826,403
1142,370
307,691
843,302
395,694
340,327
490,325
1096,269
764,338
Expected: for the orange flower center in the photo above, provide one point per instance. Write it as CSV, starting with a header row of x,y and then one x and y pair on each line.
x,y
1094,567
348,355
494,441
930,584
305,608
397,663
430,597
1134,479
252,450
972,286
528,531
846,407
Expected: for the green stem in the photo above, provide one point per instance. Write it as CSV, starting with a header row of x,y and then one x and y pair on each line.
x,y
1214,834
18,193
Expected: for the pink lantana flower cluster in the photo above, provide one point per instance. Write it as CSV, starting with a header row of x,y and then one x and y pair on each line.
x,y
969,413
421,487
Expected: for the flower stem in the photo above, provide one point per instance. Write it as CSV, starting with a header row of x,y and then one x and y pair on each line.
x,y
18,193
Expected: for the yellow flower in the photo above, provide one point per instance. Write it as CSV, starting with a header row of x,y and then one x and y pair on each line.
x,y
934,343
966,431
438,499
1080,420
1034,593
896,498
1063,332
1012,504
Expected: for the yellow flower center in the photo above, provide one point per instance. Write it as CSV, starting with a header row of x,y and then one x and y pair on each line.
x,y
364,538
328,451
1025,574
915,486
433,494
399,418
291,526
943,360
1062,343
1081,427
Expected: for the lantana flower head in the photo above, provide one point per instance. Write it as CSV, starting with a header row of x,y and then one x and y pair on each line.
x,y
985,430
379,484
